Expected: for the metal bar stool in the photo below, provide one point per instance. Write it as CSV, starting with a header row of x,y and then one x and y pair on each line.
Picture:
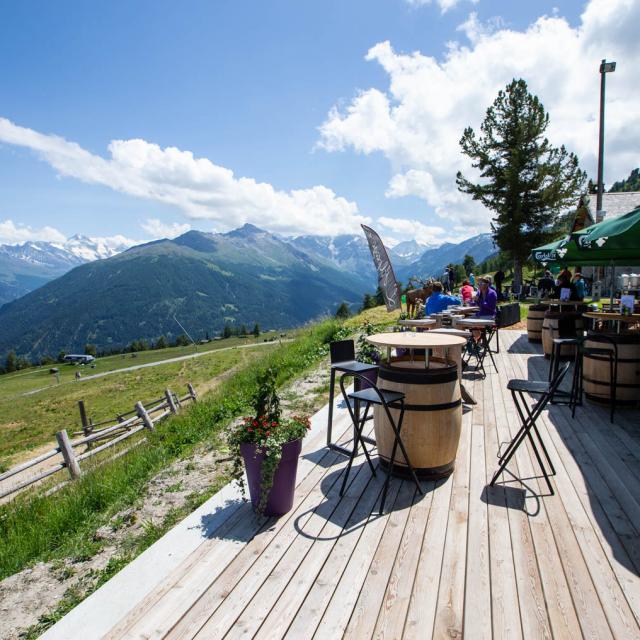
x,y
608,355
546,391
343,359
386,399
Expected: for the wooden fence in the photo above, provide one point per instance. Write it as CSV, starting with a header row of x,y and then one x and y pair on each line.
x,y
96,438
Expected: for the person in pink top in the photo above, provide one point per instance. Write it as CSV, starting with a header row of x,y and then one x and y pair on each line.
x,y
466,292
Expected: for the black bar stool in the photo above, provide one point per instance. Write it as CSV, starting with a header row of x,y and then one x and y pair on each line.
x,y
386,399
546,391
343,359
606,355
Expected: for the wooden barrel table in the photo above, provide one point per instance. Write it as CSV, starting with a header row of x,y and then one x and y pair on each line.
x,y
596,372
432,418
535,318
560,325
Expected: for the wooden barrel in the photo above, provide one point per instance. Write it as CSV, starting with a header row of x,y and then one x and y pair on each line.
x,y
534,321
432,418
551,328
596,372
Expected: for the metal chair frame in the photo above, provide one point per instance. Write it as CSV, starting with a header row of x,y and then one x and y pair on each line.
x,y
343,359
528,423
371,396
484,350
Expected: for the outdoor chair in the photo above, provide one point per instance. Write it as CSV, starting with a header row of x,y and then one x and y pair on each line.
x,y
343,360
528,416
387,399
479,349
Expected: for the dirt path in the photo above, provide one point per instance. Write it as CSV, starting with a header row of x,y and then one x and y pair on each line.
x,y
34,593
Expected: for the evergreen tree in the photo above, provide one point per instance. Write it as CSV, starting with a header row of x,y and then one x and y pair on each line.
x,y
90,350
161,343
469,264
256,329
226,331
182,340
632,183
61,356
11,363
343,312
379,297
368,302
243,330
526,182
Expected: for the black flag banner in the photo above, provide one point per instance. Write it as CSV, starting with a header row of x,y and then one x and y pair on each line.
x,y
386,277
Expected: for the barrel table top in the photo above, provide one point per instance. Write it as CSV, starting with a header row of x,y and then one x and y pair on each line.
x,y
465,311
411,340
610,315
476,322
419,322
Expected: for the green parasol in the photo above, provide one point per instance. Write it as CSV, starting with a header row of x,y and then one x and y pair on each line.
x,y
611,241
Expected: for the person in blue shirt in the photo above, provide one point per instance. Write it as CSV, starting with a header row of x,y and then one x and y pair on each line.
x,y
438,301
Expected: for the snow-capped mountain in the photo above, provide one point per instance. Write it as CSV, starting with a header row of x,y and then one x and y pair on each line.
x,y
26,266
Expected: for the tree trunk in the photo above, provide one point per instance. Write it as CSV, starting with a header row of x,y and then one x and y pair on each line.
x,y
517,273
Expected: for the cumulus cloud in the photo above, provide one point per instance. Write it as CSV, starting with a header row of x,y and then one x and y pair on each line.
x,y
423,233
417,121
158,229
444,5
197,186
12,233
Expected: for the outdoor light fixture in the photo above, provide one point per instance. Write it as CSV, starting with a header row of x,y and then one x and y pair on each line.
x,y
605,67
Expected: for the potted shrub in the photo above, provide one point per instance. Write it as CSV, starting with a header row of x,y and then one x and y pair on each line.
x,y
366,352
269,445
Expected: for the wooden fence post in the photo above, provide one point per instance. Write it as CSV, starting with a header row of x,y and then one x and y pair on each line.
x,y
172,405
142,412
192,391
68,455
83,418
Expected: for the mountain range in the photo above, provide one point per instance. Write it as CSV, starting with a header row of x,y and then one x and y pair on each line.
x,y
202,280
25,267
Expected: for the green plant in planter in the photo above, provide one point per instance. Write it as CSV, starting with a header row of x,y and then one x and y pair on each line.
x,y
268,431
365,351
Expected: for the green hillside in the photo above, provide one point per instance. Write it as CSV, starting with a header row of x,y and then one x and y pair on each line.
x,y
204,280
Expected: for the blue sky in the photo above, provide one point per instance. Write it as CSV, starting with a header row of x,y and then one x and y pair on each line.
x,y
268,90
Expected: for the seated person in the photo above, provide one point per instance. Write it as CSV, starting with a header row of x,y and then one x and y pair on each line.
x,y
466,292
487,298
438,301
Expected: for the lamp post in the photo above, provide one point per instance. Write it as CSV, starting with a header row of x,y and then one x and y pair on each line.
x,y
605,67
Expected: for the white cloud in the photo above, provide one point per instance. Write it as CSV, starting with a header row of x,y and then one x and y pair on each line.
x,y
418,120
198,187
158,229
12,233
444,5
420,232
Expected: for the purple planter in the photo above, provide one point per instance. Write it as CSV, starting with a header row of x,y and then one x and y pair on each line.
x,y
282,492
371,376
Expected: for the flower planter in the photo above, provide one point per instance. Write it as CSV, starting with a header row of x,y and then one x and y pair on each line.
x,y
282,492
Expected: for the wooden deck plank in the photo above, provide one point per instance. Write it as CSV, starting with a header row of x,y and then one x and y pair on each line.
x,y
395,603
450,607
364,614
284,589
340,608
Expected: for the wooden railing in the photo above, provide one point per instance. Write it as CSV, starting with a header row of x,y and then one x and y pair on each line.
x,y
108,432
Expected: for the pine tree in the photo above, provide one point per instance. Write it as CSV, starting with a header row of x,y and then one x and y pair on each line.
x,y
525,180
226,331
469,264
256,330
343,312
11,363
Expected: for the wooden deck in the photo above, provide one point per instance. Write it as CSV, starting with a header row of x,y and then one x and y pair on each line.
x,y
463,560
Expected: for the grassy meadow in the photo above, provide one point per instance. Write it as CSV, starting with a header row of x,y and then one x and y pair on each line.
x,y
33,406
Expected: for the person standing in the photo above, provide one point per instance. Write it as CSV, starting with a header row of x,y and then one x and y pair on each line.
x,y
445,281
499,279
579,285
452,278
472,280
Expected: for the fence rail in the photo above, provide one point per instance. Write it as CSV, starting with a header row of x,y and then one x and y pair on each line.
x,y
143,416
